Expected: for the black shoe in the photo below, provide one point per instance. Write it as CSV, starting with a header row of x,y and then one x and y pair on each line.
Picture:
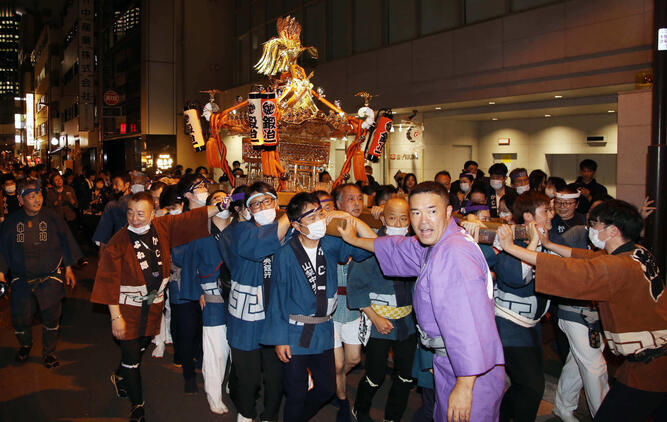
x,y
82,262
191,386
23,354
118,385
51,361
343,414
137,413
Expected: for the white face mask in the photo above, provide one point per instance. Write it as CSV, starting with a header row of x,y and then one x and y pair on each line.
x,y
137,188
224,214
465,187
505,215
10,188
593,236
176,211
550,192
139,230
497,184
317,230
246,214
522,189
200,198
397,231
265,217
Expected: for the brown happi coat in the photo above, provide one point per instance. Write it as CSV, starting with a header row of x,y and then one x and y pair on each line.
x,y
119,278
633,306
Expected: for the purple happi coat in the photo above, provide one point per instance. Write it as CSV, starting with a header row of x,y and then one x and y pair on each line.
x,y
453,299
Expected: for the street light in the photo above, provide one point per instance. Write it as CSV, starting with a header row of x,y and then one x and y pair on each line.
x,y
54,141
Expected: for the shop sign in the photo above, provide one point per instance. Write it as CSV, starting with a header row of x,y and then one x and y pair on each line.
x,y
503,141
662,39
86,65
30,119
409,157
111,97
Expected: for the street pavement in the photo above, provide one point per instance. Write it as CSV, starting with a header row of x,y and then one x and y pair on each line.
x,y
79,390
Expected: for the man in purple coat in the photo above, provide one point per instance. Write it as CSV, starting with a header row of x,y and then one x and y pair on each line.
x,y
453,301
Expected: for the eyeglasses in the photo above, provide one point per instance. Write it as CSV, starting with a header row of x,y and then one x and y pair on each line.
x,y
267,202
564,203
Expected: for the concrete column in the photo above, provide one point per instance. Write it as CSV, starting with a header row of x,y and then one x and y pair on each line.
x,y
634,137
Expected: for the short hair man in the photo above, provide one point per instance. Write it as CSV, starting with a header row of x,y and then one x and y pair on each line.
x,y
497,187
347,351
247,248
625,280
519,180
565,205
591,190
114,216
453,304
303,299
38,248
444,178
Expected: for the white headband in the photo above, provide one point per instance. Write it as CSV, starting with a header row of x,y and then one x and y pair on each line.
x,y
567,195
256,194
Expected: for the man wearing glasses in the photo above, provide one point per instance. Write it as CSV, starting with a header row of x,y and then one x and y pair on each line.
x,y
565,205
303,301
248,249
626,280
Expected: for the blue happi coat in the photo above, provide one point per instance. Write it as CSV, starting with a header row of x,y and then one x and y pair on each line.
x,y
200,262
367,285
247,250
291,294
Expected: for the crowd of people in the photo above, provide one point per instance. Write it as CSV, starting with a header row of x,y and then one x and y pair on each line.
x,y
290,300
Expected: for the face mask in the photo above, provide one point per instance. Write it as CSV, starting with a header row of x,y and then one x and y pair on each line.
x,y
265,217
224,214
505,215
593,236
496,184
139,230
200,198
465,187
176,211
550,193
522,189
397,231
317,230
137,188
10,189
246,214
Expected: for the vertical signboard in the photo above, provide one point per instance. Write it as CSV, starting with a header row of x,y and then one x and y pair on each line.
x,y
86,65
30,119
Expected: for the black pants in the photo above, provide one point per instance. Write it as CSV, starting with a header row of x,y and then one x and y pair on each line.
x,y
131,352
186,325
525,369
301,404
22,321
251,370
425,412
377,351
623,403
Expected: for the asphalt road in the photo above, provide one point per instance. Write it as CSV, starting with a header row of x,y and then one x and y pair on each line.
x,y
79,390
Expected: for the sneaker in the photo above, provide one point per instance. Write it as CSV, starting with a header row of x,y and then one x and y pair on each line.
x,y
137,413
191,386
23,354
361,417
564,416
118,385
51,361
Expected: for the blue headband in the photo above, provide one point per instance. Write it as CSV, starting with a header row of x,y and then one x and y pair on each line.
x,y
28,191
238,196
473,208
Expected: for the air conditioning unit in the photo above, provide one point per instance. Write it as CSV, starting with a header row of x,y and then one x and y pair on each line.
x,y
596,141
